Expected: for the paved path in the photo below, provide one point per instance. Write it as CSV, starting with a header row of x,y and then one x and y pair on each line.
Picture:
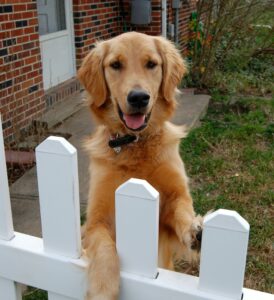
x,y
24,192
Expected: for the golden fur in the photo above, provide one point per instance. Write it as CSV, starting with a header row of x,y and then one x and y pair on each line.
x,y
155,157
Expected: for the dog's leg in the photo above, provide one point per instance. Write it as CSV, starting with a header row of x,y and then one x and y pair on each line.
x,y
103,270
99,238
166,249
176,210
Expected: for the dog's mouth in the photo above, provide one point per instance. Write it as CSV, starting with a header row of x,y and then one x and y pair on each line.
x,y
136,121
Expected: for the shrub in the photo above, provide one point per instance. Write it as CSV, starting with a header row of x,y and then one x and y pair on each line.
x,y
228,37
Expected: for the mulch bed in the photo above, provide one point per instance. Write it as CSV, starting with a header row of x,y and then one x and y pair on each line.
x,y
15,171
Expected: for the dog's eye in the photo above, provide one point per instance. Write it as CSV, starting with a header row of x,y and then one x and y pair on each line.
x,y
116,65
151,64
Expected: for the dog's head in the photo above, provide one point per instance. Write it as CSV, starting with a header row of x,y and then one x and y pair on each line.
x,y
131,80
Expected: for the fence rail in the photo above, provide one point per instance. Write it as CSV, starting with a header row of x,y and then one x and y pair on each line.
x,y
55,264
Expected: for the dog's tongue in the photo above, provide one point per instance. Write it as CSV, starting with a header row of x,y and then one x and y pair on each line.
x,y
134,121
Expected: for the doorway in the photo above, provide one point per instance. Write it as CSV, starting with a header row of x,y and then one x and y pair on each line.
x,y
56,41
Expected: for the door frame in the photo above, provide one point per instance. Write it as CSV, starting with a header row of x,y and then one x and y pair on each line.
x,y
69,31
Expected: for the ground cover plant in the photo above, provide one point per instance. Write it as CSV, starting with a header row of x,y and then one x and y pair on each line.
x,y
230,160
35,294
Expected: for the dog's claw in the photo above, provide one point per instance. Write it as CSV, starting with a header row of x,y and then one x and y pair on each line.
x,y
197,232
199,235
196,243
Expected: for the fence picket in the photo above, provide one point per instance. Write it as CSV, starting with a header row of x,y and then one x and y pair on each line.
x,y
137,215
223,254
6,224
9,290
57,172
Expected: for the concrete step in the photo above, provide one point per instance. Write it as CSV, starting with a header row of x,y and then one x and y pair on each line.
x,y
191,108
61,111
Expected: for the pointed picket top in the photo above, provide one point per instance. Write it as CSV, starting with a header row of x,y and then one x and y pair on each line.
x,y
138,187
226,219
56,145
137,242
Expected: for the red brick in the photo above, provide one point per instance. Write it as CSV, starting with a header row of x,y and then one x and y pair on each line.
x,y
27,84
27,15
32,6
4,17
34,37
29,30
8,25
16,48
32,74
18,63
17,32
38,79
16,16
21,7
30,60
33,22
26,69
22,39
23,54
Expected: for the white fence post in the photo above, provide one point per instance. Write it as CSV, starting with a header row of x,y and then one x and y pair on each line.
x,y
223,254
137,218
7,287
57,172
10,290
59,196
6,224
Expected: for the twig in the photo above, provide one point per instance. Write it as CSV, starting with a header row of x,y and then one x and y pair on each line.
x,y
209,144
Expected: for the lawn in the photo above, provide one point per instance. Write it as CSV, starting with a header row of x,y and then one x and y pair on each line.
x,y
230,160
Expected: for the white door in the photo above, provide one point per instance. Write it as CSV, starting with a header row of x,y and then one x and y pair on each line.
x,y
56,41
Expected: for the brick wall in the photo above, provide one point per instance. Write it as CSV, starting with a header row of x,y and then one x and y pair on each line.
x,y
93,20
154,28
21,82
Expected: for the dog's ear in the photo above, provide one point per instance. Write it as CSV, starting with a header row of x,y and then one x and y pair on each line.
x,y
174,67
91,74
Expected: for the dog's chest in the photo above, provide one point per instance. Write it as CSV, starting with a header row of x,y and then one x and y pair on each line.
x,y
138,160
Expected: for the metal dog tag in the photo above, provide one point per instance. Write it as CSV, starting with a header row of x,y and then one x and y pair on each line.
x,y
117,149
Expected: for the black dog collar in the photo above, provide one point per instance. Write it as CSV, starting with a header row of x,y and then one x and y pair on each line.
x,y
116,142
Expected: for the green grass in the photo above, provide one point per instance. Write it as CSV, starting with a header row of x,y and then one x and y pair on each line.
x,y
35,294
230,160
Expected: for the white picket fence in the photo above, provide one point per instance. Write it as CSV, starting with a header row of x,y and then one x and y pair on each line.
x,y
54,263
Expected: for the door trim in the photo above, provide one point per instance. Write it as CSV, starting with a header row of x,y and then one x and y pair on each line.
x,y
69,32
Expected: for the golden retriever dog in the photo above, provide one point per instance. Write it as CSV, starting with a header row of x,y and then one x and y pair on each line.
x,y
131,82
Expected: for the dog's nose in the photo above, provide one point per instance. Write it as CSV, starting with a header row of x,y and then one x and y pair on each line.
x,y
138,98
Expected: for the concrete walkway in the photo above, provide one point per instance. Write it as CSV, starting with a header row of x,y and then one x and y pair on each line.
x,y
77,122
